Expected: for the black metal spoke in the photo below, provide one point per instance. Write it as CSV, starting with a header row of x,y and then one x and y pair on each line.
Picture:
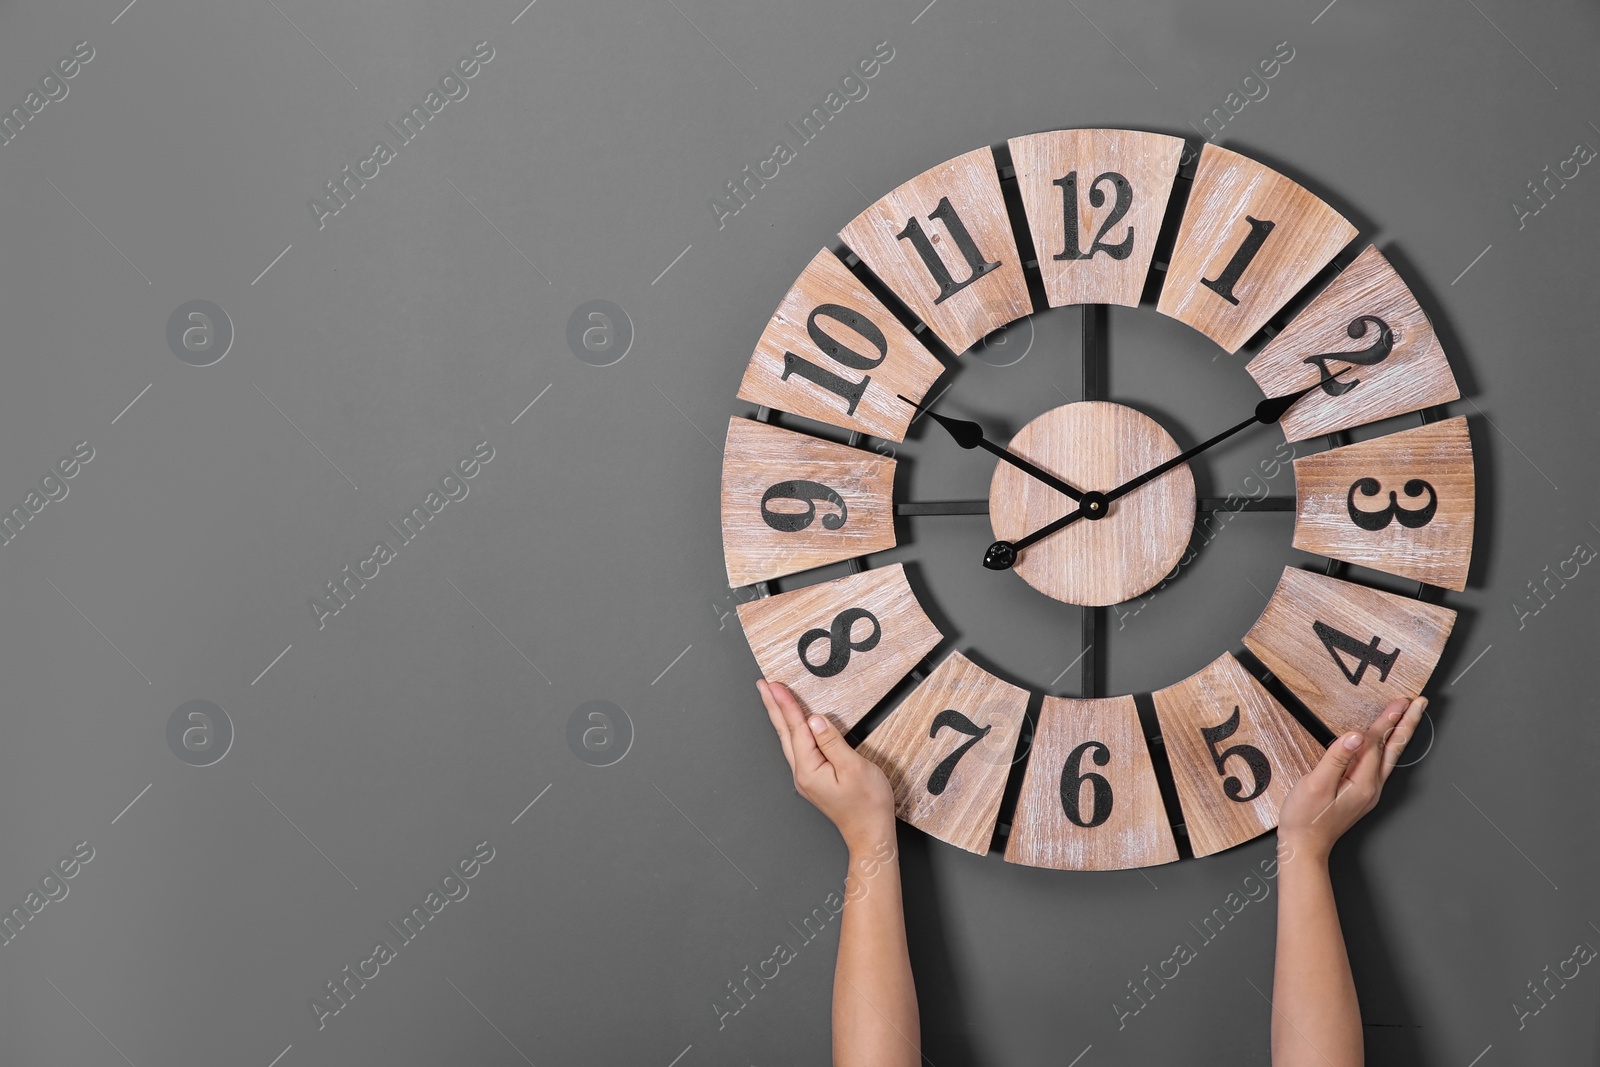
x,y
1096,355
942,507
1266,503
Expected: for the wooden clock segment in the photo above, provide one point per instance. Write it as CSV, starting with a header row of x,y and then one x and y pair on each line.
x,y
1368,321
791,502
832,352
1346,650
943,243
1402,503
1235,753
947,750
1089,799
1094,201
1249,240
840,646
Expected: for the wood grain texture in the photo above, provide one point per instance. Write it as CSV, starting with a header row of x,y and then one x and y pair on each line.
x,y
775,626
973,188
964,813
1414,375
1228,187
1208,699
1285,640
1094,446
1148,161
1135,834
758,457
1438,552
908,368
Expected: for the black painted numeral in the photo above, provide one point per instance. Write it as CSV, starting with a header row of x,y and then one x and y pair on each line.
x,y
846,390
840,644
807,494
1410,518
1260,769
1069,196
1377,352
961,724
1365,653
957,229
1223,283
1072,782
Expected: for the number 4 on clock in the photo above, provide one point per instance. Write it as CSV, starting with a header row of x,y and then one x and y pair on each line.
x,y
1366,654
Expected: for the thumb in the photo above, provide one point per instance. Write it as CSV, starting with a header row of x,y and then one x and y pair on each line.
x,y
1332,766
830,741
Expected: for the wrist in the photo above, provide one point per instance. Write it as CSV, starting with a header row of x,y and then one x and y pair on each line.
x,y
875,846
1309,856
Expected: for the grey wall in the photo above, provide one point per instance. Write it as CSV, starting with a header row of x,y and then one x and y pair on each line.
x,y
371,354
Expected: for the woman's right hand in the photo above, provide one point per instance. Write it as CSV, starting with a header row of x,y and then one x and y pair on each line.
x,y
1347,782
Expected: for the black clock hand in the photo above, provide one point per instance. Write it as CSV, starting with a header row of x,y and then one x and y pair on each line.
x,y
970,435
1268,411
1002,555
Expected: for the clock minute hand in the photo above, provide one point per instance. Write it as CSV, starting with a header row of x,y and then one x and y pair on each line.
x,y
1002,555
1267,412
970,435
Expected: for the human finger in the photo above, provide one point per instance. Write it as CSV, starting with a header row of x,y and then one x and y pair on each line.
x,y
1330,769
1404,731
775,714
830,742
808,758
1365,771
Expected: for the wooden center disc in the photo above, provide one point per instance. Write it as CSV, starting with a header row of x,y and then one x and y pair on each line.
x,y
1094,446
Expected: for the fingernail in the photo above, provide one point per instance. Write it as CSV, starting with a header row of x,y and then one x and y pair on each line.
x,y
1422,701
818,724
1352,742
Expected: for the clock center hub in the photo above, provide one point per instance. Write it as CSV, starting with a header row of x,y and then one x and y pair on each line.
x,y
1129,544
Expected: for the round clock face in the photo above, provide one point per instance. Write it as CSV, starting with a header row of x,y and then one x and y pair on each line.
x,y
1093,502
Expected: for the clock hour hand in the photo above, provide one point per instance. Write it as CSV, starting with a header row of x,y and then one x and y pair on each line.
x,y
970,435
1002,555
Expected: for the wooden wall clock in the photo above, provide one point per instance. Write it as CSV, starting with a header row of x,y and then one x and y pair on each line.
x,y
1093,502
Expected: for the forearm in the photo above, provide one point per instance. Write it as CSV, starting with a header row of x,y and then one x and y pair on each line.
x,y
874,1000
1316,1019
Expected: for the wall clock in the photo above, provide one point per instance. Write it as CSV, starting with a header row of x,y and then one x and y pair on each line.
x,y
1092,502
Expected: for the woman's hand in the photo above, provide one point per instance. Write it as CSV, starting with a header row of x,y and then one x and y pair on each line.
x,y
843,784
1347,782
